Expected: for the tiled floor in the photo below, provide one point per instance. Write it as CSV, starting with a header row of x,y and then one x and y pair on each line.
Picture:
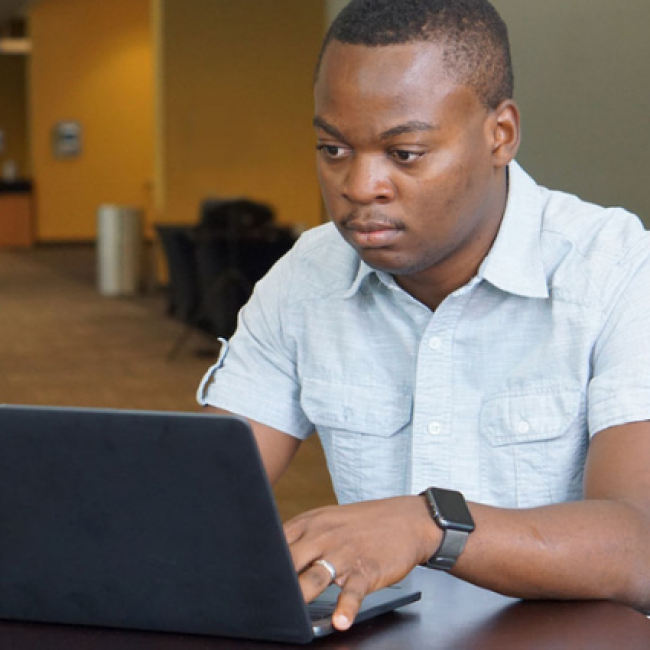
x,y
61,343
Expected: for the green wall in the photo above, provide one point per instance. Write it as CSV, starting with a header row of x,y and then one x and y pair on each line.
x,y
582,73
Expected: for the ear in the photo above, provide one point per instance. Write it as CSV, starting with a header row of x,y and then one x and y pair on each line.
x,y
506,133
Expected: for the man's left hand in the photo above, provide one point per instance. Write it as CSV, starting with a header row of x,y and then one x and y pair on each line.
x,y
371,545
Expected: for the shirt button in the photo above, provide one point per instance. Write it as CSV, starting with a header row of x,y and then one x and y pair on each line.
x,y
523,427
434,428
435,343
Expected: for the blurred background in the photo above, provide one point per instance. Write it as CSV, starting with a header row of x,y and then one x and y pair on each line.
x,y
140,140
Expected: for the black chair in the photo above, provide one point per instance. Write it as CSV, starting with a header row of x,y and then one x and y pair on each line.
x,y
179,249
233,216
226,284
184,293
237,242
214,265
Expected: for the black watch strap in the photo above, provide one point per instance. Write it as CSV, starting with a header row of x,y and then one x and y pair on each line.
x,y
453,543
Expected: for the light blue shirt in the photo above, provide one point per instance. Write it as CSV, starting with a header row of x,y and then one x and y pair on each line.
x,y
495,394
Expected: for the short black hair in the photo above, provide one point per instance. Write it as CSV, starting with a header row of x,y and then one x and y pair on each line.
x,y
473,35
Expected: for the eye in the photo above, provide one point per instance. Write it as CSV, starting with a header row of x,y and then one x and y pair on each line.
x,y
332,151
404,156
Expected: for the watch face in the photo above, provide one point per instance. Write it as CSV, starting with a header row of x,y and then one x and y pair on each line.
x,y
452,510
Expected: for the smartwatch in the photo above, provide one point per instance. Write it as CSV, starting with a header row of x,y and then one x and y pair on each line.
x,y
450,512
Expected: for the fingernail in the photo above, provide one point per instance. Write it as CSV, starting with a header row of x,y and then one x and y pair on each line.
x,y
341,622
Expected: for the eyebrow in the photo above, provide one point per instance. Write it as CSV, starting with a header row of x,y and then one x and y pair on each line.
x,y
320,123
408,127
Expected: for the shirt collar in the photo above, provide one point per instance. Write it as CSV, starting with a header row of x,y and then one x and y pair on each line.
x,y
514,263
362,273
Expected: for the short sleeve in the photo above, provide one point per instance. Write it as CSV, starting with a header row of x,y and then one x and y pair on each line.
x,y
255,375
619,391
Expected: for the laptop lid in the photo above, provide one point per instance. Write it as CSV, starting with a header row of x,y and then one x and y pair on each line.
x,y
155,521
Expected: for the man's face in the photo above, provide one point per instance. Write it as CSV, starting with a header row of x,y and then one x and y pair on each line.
x,y
405,158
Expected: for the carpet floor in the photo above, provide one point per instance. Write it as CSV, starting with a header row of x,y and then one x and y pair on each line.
x,y
63,344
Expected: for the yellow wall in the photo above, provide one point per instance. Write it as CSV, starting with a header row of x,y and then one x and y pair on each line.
x,y
13,111
236,105
91,62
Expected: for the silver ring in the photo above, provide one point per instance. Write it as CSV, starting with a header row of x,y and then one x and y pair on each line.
x,y
329,567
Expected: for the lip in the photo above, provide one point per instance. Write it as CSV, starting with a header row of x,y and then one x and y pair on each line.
x,y
372,234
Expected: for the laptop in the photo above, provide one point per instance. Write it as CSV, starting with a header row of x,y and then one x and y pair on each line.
x,y
151,521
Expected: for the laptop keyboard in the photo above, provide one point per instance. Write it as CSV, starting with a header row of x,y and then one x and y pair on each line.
x,y
321,609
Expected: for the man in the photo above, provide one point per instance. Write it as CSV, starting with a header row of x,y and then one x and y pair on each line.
x,y
465,330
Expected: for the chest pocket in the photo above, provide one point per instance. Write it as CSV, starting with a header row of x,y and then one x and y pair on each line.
x,y
371,410
534,445
364,432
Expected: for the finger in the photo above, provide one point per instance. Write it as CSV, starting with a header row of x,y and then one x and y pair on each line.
x,y
294,529
328,566
313,581
355,589
304,553
308,542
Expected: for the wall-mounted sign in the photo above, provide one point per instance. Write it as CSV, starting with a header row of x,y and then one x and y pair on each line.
x,y
66,139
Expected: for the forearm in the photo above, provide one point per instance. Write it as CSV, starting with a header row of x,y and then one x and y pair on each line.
x,y
589,549
594,549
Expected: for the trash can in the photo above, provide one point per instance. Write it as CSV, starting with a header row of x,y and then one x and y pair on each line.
x,y
119,250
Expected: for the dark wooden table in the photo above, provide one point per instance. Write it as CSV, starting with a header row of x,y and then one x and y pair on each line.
x,y
451,615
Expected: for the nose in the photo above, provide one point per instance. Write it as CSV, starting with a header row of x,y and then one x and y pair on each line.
x,y
368,181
